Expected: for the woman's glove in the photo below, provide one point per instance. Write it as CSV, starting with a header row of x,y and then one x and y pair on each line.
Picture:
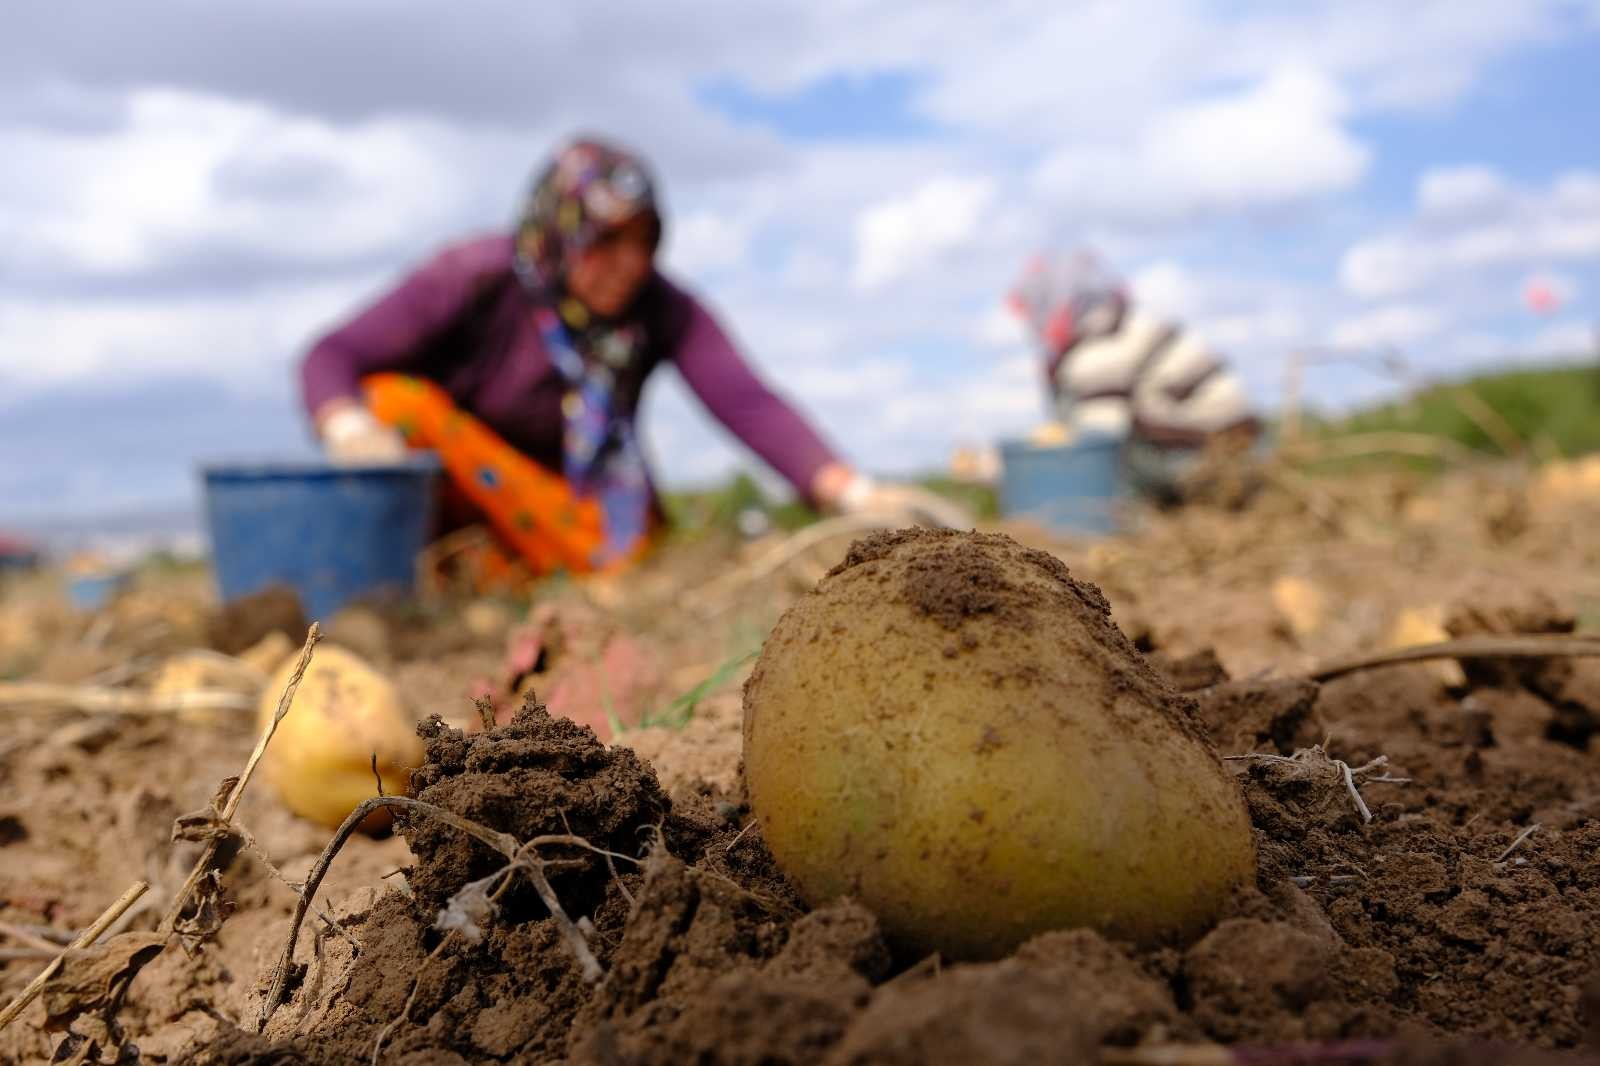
x,y
351,435
901,505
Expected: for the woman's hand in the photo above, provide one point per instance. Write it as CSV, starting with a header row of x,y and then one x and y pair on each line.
x,y
838,488
351,435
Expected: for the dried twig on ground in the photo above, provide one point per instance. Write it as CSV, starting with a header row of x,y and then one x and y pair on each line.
x,y
516,852
715,596
84,939
1315,759
99,699
1517,843
1527,646
225,814
30,939
1394,443
1492,422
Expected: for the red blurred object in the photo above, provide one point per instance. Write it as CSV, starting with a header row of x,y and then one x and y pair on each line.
x,y
17,553
1541,296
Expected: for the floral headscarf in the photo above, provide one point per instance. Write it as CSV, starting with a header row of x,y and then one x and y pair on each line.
x,y
587,189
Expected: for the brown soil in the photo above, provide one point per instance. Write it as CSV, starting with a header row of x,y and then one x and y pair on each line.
x,y
1412,926
1420,937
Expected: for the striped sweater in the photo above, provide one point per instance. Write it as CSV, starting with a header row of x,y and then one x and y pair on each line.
x,y
1143,377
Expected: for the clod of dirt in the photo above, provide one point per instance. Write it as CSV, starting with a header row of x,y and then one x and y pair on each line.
x,y
12,830
514,993
1570,687
1190,673
1246,973
1278,715
951,730
699,977
239,624
536,776
1057,1000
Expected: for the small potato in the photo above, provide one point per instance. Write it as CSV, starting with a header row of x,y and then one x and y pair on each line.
x,y
205,671
951,730
320,759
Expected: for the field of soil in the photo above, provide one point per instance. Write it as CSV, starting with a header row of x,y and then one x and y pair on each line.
x,y
1428,834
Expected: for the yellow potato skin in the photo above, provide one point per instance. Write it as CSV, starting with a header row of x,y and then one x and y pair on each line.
x,y
320,759
973,786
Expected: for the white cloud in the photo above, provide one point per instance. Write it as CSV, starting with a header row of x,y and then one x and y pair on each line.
x,y
1456,193
1565,337
247,340
1394,326
706,240
907,235
192,179
1277,143
1514,228
204,189
1000,327
1167,288
1263,335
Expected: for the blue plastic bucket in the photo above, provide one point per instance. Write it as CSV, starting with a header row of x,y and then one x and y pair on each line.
x,y
331,533
1071,488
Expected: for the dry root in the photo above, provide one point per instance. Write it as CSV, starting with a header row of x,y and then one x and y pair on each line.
x,y
1314,761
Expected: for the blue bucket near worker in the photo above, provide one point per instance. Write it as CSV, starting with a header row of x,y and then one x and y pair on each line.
x,y
332,533
1070,488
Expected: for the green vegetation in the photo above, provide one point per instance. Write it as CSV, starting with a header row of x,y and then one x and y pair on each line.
x,y
696,512
1554,411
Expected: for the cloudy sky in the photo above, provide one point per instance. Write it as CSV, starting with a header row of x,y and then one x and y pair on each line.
x,y
193,190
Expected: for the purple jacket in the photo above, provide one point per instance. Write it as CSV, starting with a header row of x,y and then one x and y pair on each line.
x,y
463,320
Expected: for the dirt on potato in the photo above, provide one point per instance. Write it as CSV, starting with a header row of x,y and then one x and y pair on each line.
x,y
1438,905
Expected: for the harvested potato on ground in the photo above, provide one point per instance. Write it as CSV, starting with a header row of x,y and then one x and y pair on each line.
x,y
1425,625
320,759
951,730
206,671
1303,605
268,653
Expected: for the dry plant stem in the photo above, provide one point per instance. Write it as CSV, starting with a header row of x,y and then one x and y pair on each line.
x,y
1517,843
102,700
27,939
1492,422
575,939
1521,647
711,598
1350,787
265,860
1347,773
1397,443
1320,506
740,837
84,939
506,844
225,816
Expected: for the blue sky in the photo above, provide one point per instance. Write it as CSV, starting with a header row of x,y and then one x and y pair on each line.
x,y
203,188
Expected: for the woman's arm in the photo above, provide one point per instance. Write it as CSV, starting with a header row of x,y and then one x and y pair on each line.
x,y
766,424
393,332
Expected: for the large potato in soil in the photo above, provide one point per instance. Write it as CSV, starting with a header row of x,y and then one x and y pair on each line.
x,y
951,730
320,759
